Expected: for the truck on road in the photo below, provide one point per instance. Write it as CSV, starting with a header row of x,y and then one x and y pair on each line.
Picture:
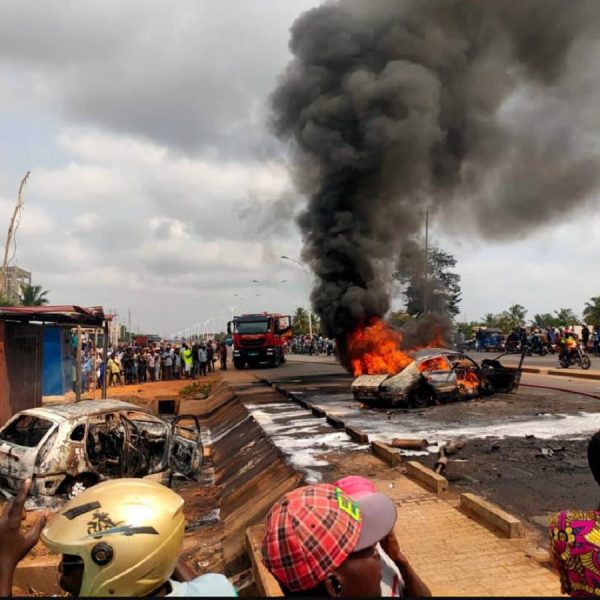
x,y
259,339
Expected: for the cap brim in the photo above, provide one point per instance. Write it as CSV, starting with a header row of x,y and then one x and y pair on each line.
x,y
378,513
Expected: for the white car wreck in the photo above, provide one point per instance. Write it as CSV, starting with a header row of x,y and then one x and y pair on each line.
x,y
65,448
436,375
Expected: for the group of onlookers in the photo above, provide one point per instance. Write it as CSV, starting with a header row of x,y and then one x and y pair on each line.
x,y
131,364
317,344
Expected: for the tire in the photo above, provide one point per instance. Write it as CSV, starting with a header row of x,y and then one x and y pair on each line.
x,y
586,363
276,360
239,363
422,397
564,364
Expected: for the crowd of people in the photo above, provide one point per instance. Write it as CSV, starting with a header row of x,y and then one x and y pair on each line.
x,y
551,339
319,540
313,345
136,364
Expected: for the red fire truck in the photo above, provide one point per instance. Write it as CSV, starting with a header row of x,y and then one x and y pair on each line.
x,y
259,339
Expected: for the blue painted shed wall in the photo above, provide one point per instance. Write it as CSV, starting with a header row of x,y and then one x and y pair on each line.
x,y
56,366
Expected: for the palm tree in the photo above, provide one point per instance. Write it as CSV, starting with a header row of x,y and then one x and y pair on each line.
x,y
565,316
490,320
591,312
515,315
543,320
300,321
33,295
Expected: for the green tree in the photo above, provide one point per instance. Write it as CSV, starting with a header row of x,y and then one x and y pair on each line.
x,y
591,312
33,295
467,329
565,317
490,320
300,322
543,320
438,289
514,316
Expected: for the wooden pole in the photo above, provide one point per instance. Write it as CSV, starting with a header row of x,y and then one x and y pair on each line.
x,y
104,358
78,366
9,236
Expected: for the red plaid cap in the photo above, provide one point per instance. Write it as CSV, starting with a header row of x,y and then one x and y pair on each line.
x,y
309,533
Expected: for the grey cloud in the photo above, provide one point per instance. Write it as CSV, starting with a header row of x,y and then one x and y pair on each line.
x,y
189,75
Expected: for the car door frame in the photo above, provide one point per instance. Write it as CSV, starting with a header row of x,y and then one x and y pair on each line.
x,y
178,444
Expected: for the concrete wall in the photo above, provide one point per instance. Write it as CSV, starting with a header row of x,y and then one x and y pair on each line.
x,y
249,469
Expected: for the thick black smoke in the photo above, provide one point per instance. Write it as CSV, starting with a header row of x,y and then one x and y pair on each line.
x,y
478,110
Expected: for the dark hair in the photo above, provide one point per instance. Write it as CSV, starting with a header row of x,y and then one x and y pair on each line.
x,y
594,456
319,591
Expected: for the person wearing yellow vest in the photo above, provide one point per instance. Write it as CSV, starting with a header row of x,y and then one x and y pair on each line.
x,y
186,355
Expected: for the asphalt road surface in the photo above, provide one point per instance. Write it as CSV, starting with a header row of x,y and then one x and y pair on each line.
x,y
524,451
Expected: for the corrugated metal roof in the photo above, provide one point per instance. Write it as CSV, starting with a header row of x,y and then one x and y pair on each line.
x,y
68,314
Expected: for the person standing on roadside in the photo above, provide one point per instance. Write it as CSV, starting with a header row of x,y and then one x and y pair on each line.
x,y
210,352
187,360
223,356
202,359
114,370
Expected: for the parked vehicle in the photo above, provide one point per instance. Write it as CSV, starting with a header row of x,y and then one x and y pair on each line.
x,y
436,375
259,339
578,357
65,448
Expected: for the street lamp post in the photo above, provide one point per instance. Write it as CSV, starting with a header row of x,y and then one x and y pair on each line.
x,y
305,269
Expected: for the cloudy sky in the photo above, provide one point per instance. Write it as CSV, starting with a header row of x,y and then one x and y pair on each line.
x,y
156,187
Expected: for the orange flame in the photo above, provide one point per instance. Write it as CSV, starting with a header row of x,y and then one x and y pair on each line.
x,y
374,349
439,363
469,382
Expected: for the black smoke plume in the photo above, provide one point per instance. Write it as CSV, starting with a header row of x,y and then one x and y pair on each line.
x,y
480,111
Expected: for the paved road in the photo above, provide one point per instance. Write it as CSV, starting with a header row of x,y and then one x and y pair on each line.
x,y
525,451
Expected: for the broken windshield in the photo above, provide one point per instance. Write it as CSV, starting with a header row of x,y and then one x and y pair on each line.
x,y
252,326
26,430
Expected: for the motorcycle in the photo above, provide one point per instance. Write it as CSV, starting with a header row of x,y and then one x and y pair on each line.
x,y
578,356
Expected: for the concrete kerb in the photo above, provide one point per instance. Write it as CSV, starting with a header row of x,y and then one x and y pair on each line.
x,y
358,435
567,373
491,516
428,478
389,455
335,422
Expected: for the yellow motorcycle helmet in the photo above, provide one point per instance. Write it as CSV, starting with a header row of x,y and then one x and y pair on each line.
x,y
128,532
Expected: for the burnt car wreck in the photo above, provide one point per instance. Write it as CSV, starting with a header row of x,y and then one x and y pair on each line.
x,y
436,375
65,448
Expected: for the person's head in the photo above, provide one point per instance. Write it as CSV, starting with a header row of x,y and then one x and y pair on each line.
x,y
118,538
593,453
320,542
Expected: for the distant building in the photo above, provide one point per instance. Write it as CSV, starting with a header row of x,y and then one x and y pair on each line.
x,y
15,278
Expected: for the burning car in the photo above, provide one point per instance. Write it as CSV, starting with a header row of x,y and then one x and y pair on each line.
x,y
436,375
64,448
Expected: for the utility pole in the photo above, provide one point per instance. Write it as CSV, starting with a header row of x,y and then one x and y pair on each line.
x,y
9,237
426,294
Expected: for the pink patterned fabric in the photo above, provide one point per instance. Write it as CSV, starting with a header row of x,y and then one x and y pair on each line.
x,y
575,546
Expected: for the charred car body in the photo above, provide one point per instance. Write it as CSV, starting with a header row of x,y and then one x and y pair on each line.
x,y
65,447
436,375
